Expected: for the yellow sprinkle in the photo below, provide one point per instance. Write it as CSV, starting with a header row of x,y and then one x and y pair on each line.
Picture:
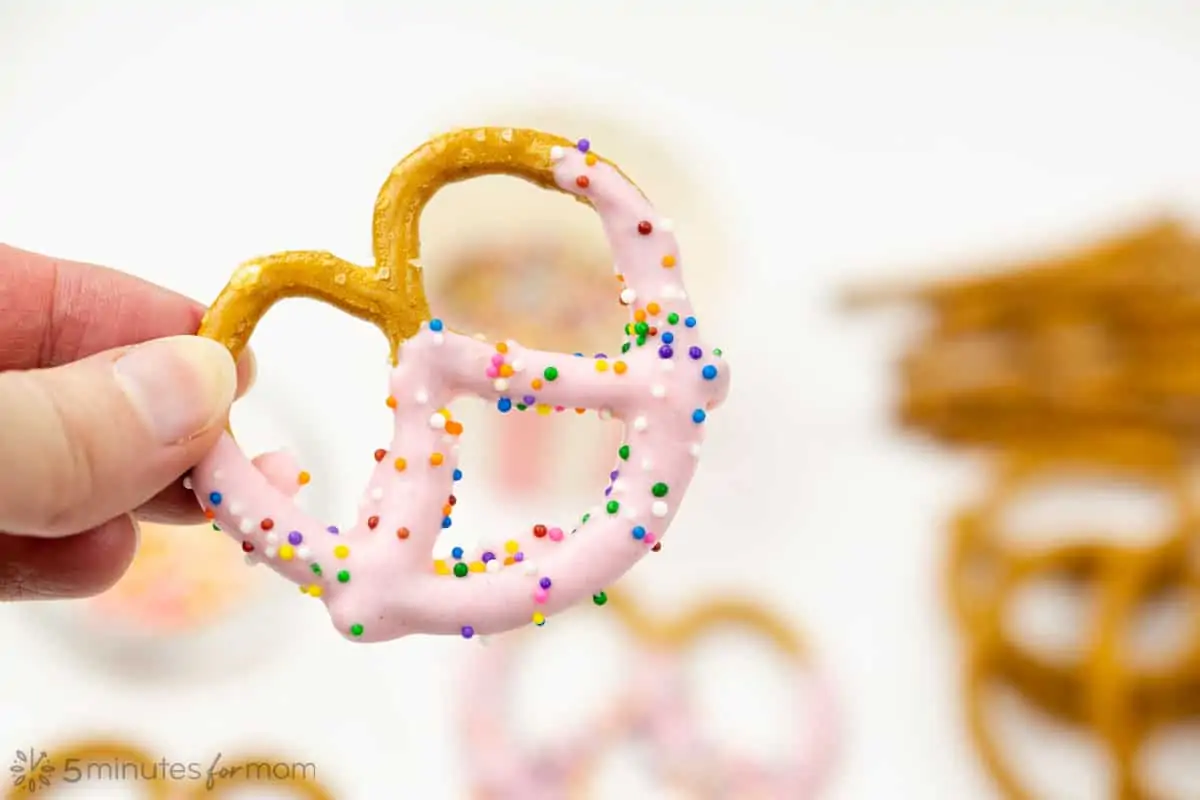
x,y
668,261
445,412
341,551
511,546
440,568
400,464
601,365
539,618
619,367
591,159
303,590
506,371
501,347
286,552
544,409
303,478
436,459
477,566
314,591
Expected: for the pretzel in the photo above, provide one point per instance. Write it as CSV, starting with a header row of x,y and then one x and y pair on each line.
x,y
1122,702
653,707
376,578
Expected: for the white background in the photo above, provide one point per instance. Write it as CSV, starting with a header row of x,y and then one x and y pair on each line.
x,y
174,141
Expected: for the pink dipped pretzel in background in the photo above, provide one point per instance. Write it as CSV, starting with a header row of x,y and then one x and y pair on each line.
x,y
377,577
653,707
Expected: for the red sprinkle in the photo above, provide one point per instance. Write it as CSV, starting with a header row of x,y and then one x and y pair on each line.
x,y
657,547
582,181
379,454
402,533
539,531
247,547
372,522
644,228
267,524
453,500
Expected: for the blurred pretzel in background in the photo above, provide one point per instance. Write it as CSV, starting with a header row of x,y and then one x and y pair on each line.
x,y
1087,365
653,707
108,761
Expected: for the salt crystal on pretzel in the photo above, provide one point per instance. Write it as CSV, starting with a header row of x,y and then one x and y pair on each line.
x,y
377,578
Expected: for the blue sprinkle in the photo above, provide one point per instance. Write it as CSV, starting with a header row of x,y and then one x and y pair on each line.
x,y
215,498
639,532
579,355
698,415
709,372
504,405
446,523
435,325
668,337
690,322
458,474
456,553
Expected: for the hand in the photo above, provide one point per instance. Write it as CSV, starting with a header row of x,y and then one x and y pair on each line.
x,y
99,418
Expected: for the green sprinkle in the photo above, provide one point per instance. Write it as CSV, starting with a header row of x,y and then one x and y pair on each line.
x,y
612,506
628,328
625,347
624,452
641,329
641,341
586,517
672,318
356,629
460,570
551,373
659,490
316,568
216,527
717,352
521,406
599,598
343,577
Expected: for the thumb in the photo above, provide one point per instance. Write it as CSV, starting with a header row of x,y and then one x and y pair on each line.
x,y
83,443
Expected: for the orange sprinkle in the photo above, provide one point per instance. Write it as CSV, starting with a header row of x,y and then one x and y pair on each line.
x,y
400,464
501,347
668,261
391,402
619,367
446,509
303,478
436,459
536,383
508,562
591,159
454,428
402,533
506,371
620,277
639,315
601,365
653,308
210,514
580,410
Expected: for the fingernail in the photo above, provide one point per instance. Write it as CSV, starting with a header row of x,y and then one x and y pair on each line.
x,y
181,385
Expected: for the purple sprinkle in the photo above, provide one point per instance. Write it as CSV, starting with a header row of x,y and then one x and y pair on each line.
x,y
695,352
608,491
612,476
584,145
295,538
487,556
544,583
601,355
665,351
332,529
519,557
468,631
529,399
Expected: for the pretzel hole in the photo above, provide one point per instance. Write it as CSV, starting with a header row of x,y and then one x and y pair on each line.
x,y
1083,508
1168,762
568,675
746,696
1047,757
1164,628
1053,617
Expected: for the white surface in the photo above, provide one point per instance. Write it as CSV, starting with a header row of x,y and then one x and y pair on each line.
x,y
175,142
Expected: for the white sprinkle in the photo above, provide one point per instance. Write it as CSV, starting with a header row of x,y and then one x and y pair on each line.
x,y
658,508
303,553
437,422
517,365
500,385
639,424
235,509
605,413
506,134
628,296
187,483
647,464
619,486
218,474
556,153
530,568
631,513
377,493
422,397
658,390
696,449
666,225
493,565
480,337
666,364
340,279
272,537
439,338
269,552
245,526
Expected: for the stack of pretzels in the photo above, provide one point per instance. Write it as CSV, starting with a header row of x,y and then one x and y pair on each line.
x,y
1085,364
